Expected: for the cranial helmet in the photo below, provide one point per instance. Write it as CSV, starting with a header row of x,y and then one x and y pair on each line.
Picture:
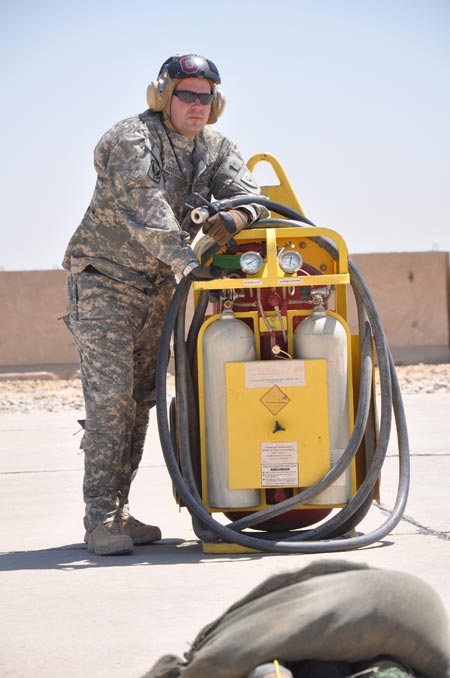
x,y
179,67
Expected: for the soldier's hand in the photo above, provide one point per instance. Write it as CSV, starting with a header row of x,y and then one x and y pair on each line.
x,y
205,273
224,225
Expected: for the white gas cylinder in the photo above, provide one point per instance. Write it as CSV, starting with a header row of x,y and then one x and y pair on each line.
x,y
225,340
322,336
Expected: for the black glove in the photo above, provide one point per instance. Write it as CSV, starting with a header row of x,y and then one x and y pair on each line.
x,y
223,225
205,273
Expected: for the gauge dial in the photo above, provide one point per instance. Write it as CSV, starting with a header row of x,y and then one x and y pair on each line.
x,y
251,262
290,261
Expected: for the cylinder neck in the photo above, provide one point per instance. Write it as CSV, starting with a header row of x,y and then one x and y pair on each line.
x,y
318,303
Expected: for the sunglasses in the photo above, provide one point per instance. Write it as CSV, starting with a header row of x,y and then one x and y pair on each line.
x,y
188,97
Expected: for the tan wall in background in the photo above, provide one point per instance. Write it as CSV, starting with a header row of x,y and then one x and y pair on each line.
x,y
30,333
411,292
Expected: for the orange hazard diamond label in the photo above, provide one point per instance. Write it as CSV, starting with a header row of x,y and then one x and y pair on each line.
x,y
275,400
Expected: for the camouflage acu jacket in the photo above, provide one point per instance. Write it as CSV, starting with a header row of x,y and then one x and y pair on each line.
x,y
137,227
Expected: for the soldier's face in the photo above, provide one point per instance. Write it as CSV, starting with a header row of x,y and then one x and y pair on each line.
x,y
189,119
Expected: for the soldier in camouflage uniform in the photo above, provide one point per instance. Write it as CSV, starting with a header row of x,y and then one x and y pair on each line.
x,y
124,259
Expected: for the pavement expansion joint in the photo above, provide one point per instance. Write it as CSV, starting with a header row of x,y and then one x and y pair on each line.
x,y
412,521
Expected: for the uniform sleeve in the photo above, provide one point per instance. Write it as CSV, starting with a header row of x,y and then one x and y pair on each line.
x,y
233,179
133,171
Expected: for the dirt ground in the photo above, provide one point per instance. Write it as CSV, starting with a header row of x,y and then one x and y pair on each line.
x,y
56,395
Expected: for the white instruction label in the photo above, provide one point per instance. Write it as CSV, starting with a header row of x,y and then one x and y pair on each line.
x,y
279,453
279,475
279,464
266,373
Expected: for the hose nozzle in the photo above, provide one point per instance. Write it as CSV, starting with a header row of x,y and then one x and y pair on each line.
x,y
199,215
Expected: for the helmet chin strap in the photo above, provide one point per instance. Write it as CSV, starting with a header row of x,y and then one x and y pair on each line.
x,y
167,121
166,110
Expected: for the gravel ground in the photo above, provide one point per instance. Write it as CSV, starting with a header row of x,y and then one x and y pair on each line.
x,y
57,395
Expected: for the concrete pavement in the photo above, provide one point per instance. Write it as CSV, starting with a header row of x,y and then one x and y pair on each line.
x,y
68,613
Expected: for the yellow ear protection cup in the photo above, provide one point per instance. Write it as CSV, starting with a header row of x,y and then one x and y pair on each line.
x,y
217,106
155,91
159,93
179,67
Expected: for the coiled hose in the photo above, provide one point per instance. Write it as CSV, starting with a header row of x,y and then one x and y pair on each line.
x,y
184,469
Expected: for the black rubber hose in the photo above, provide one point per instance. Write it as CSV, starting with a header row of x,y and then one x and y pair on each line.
x,y
186,409
197,321
281,507
354,511
226,532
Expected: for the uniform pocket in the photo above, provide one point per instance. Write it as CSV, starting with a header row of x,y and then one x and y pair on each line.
x,y
72,297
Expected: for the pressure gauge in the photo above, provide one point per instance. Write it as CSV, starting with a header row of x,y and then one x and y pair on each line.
x,y
251,262
289,260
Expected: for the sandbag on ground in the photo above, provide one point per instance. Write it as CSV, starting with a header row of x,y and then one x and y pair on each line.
x,y
329,611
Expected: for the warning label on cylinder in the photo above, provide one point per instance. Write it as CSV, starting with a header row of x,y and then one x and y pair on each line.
x,y
279,464
275,400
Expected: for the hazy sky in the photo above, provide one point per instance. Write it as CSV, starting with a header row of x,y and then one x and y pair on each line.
x,y
352,96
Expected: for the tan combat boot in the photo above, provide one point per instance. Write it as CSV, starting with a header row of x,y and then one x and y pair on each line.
x,y
108,539
139,532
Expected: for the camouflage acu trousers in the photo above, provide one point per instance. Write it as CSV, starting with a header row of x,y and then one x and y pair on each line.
x,y
117,329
